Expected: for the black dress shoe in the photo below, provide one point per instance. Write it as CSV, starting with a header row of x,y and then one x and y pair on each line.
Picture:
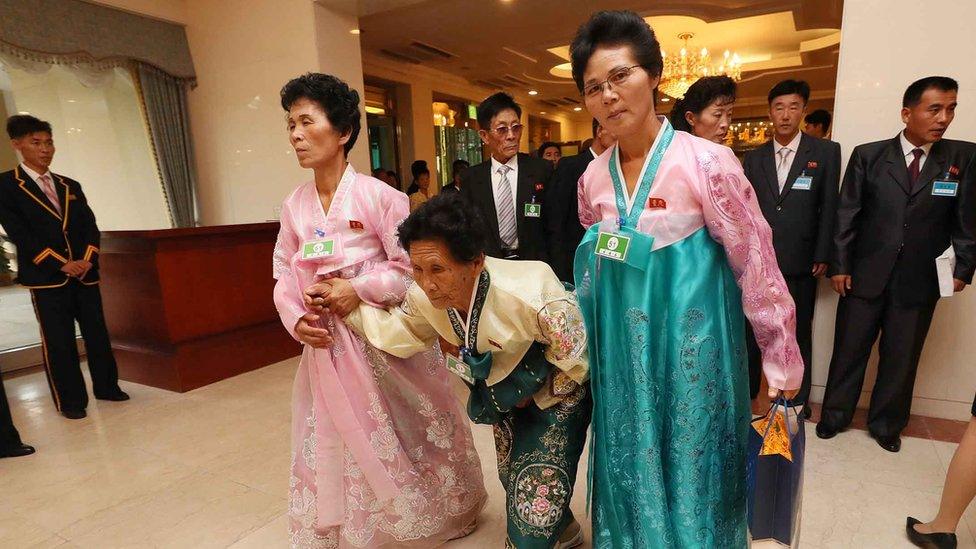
x,y
16,451
118,396
825,431
890,443
74,414
936,540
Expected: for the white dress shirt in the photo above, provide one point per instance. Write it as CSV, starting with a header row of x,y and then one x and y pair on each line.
x,y
783,165
907,148
512,183
34,175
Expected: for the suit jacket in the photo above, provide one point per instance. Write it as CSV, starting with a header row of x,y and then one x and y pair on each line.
x,y
888,230
802,220
562,222
533,173
45,239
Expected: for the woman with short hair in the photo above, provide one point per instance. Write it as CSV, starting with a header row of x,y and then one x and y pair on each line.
x,y
382,455
523,357
706,109
676,249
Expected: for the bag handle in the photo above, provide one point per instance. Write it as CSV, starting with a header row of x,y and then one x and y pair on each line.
x,y
780,401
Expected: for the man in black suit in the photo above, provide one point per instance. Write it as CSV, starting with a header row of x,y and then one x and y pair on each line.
x,y
795,177
10,443
817,124
508,189
903,202
562,202
457,168
48,219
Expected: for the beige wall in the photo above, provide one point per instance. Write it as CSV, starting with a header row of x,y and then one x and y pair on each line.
x,y
101,141
244,52
876,64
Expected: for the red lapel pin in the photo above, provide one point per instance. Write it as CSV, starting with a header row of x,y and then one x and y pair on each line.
x,y
357,225
812,165
657,203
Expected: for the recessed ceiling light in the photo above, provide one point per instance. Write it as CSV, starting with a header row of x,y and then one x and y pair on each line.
x,y
542,112
354,31
577,109
533,92
665,99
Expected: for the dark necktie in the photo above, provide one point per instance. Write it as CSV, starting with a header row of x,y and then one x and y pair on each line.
x,y
913,168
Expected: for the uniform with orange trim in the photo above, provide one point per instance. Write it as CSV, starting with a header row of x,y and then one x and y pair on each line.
x,y
47,217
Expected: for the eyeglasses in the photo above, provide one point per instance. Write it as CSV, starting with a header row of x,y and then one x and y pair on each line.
x,y
617,78
502,131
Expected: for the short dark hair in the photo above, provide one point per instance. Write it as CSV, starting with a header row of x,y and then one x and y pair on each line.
x,y
337,99
493,106
546,145
699,96
820,117
788,87
596,126
419,167
913,94
459,166
20,125
615,28
449,218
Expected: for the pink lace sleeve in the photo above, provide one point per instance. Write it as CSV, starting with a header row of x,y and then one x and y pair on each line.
x,y
734,220
387,283
587,215
287,290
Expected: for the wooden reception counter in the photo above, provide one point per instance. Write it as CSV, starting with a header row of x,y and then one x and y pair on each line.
x,y
188,307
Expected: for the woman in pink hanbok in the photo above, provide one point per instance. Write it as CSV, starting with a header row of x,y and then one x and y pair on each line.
x,y
382,454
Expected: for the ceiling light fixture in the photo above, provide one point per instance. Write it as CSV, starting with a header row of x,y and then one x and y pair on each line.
x,y
684,69
577,109
533,92
354,31
542,112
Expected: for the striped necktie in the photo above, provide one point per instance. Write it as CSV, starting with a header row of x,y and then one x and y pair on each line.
x,y
48,187
507,229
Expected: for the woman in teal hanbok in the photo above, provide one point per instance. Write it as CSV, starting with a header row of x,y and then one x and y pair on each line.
x,y
677,249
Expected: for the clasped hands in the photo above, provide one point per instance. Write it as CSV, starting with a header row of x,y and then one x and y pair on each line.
x,y
336,296
77,268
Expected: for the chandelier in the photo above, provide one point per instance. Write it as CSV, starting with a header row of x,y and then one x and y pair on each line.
x,y
684,69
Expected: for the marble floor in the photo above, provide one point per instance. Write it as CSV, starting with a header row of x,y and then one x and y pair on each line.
x,y
209,468
18,325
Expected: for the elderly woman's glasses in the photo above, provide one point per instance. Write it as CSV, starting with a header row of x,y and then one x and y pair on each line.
x,y
616,78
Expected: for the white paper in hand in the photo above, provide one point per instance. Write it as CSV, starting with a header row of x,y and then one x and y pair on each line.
x,y
945,266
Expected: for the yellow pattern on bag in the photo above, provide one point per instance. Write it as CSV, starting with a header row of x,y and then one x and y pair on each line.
x,y
777,441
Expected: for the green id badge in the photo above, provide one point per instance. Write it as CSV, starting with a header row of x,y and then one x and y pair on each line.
x,y
459,367
317,249
612,246
533,210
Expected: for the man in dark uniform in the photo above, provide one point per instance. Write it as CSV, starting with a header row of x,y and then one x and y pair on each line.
x,y
48,219
795,177
903,202
562,201
508,189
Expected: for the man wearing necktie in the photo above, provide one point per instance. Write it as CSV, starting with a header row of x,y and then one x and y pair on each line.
x,y
795,177
508,189
904,201
48,219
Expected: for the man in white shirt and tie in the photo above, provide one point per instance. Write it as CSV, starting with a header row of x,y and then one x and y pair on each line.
x,y
795,177
904,201
47,217
508,189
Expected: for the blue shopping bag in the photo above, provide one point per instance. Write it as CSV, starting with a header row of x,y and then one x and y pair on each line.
x,y
774,474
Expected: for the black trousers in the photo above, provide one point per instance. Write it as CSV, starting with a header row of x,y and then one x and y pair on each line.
x,y
57,309
903,329
9,437
804,291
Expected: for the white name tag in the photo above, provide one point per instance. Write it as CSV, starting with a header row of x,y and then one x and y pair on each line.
x,y
803,183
